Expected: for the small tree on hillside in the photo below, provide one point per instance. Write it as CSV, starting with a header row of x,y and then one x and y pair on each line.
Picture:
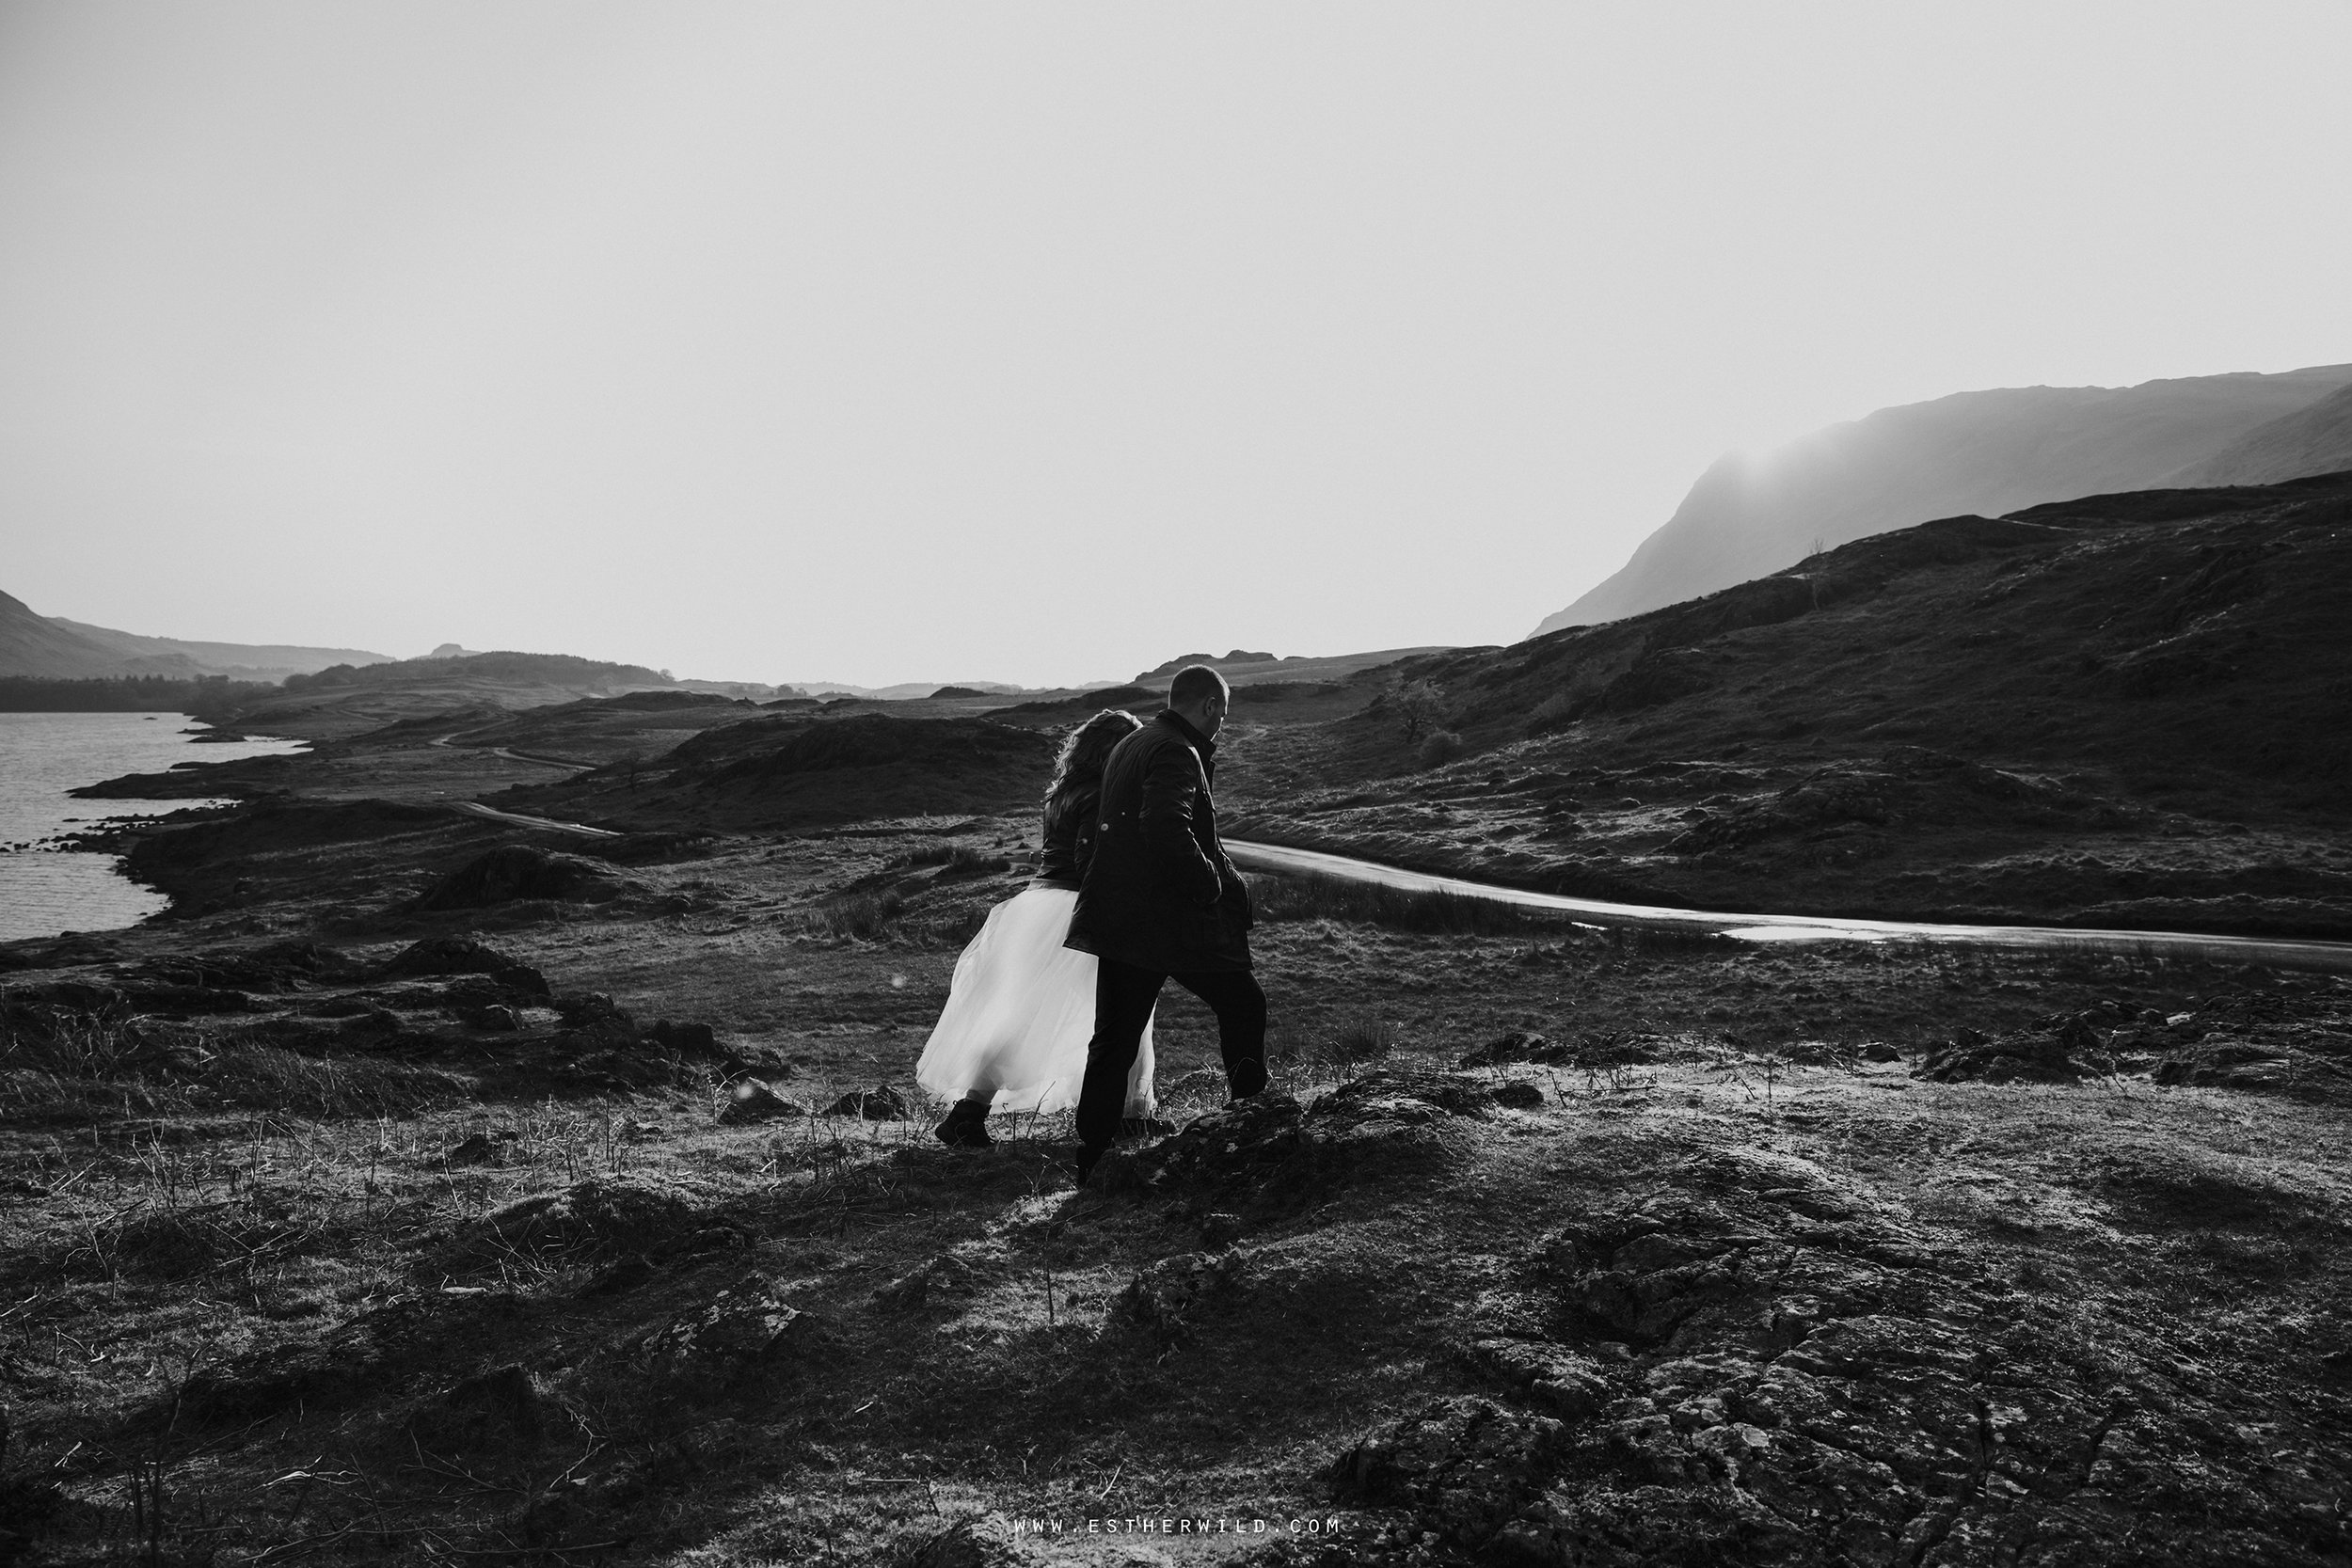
x,y
1418,708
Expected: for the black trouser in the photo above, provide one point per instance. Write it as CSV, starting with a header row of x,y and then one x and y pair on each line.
x,y
1123,998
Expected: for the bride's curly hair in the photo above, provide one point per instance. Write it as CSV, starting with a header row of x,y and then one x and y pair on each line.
x,y
1087,747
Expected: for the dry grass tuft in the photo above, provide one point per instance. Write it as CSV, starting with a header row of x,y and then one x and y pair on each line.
x,y
857,916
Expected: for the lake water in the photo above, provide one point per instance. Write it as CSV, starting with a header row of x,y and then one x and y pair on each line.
x,y
42,755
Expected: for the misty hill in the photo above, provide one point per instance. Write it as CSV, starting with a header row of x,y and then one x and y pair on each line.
x,y
1988,452
237,660
53,647
2131,710
344,699
2315,439
32,644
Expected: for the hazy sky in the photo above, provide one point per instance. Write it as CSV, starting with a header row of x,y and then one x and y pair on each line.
x,y
874,342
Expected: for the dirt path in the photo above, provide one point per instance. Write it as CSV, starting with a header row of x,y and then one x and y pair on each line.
x,y
2326,957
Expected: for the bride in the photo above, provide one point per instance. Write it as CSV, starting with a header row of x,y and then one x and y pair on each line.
x,y
1020,1008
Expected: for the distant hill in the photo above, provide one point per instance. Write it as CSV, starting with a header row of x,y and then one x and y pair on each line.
x,y
32,644
238,660
2316,439
53,647
598,676
1988,452
1244,668
346,699
902,692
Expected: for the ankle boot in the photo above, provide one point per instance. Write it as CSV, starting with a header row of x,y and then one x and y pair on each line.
x,y
965,1126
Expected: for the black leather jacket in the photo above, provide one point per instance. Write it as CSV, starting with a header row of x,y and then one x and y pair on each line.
x,y
1159,891
1069,838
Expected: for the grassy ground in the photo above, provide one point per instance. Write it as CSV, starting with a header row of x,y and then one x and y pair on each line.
x,y
346,1275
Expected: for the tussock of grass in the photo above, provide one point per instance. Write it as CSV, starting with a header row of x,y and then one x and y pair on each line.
x,y
268,1077
1362,1037
861,916
184,1243
958,859
91,1066
1637,942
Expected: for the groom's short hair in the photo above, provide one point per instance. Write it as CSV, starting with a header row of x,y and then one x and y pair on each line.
x,y
1195,683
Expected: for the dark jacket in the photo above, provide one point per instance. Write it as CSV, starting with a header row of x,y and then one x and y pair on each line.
x,y
1068,839
1160,892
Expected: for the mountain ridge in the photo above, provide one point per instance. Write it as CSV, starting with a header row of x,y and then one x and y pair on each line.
x,y
54,647
1987,453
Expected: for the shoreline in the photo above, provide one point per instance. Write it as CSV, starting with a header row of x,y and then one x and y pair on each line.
x,y
105,834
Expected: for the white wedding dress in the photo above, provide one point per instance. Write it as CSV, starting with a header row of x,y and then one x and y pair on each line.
x,y
1020,1013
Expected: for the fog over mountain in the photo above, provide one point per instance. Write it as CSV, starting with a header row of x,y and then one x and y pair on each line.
x,y
2314,439
1988,452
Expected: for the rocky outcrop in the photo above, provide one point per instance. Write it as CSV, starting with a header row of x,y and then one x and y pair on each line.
x,y
1811,1383
1271,1153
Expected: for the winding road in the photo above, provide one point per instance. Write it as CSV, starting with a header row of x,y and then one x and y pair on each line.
x,y
475,808
513,756
2326,957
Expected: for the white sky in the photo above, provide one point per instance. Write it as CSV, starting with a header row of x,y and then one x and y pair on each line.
x,y
873,342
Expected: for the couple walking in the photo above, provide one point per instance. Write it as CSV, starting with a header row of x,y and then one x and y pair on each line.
x,y
1052,1002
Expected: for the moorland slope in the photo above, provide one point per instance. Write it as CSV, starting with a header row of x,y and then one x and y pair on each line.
x,y
2127,710
1991,452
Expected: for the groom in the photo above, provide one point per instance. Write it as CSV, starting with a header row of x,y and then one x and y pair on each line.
x,y
1161,901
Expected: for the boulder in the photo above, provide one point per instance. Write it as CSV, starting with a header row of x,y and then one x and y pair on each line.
x,y
746,1324
1411,1094
2061,1049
